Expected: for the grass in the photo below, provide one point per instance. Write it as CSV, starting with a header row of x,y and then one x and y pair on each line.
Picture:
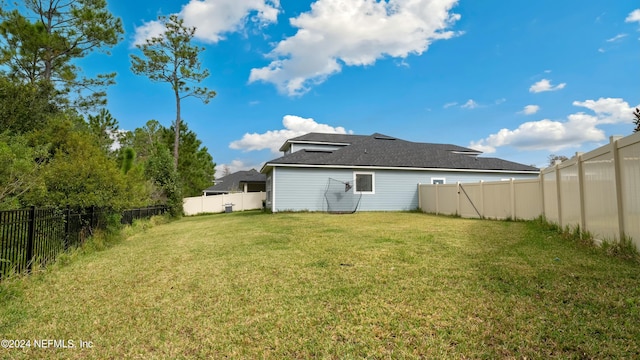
x,y
305,285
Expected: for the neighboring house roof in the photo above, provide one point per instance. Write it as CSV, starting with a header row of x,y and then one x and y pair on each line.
x,y
380,150
232,182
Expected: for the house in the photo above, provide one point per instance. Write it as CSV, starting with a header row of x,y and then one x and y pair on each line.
x,y
241,181
342,173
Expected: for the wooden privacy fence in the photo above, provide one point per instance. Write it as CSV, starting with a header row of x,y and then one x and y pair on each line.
x,y
598,191
34,237
221,203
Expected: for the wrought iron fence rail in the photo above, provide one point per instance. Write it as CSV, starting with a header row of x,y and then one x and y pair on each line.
x,y
35,236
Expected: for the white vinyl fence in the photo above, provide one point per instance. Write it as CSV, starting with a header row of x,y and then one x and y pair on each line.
x,y
513,199
218,203
598,191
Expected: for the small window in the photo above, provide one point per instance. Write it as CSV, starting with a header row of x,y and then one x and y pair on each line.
x,y
365,183
437,181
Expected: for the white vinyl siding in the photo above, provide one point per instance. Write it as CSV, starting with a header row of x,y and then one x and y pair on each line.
x,y
316,147
303,189
269,187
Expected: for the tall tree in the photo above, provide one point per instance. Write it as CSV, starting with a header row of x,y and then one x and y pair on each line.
x,y
172,59
152,155
636,121
23,107
20,165
196,169
159,168
145,140
105,128
42,43
226,170
553,158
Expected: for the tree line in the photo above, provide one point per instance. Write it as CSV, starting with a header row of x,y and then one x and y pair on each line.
x,y
60,145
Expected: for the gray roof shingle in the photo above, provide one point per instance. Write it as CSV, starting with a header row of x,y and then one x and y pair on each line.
x,y
379,150
323,138
232,182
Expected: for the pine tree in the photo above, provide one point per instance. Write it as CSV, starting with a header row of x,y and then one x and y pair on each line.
x,y
41,42
170,58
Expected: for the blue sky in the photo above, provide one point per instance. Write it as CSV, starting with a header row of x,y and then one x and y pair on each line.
x,y
519,80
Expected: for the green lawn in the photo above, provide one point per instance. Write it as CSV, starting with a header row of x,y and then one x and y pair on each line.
x,y
305,285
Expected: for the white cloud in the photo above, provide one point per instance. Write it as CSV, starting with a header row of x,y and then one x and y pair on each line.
x,y
116,137
335,33
148,30
213,18
545,85
634,16
530,109
538,135
470,104
500,101
617,37
403,63
237,165
556,135
273,139
450,104
608,110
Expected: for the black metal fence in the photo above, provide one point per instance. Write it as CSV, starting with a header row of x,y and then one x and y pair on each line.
x,y
34,237
142,213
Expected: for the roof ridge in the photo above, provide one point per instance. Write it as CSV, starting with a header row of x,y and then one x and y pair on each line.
x,y
376,150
